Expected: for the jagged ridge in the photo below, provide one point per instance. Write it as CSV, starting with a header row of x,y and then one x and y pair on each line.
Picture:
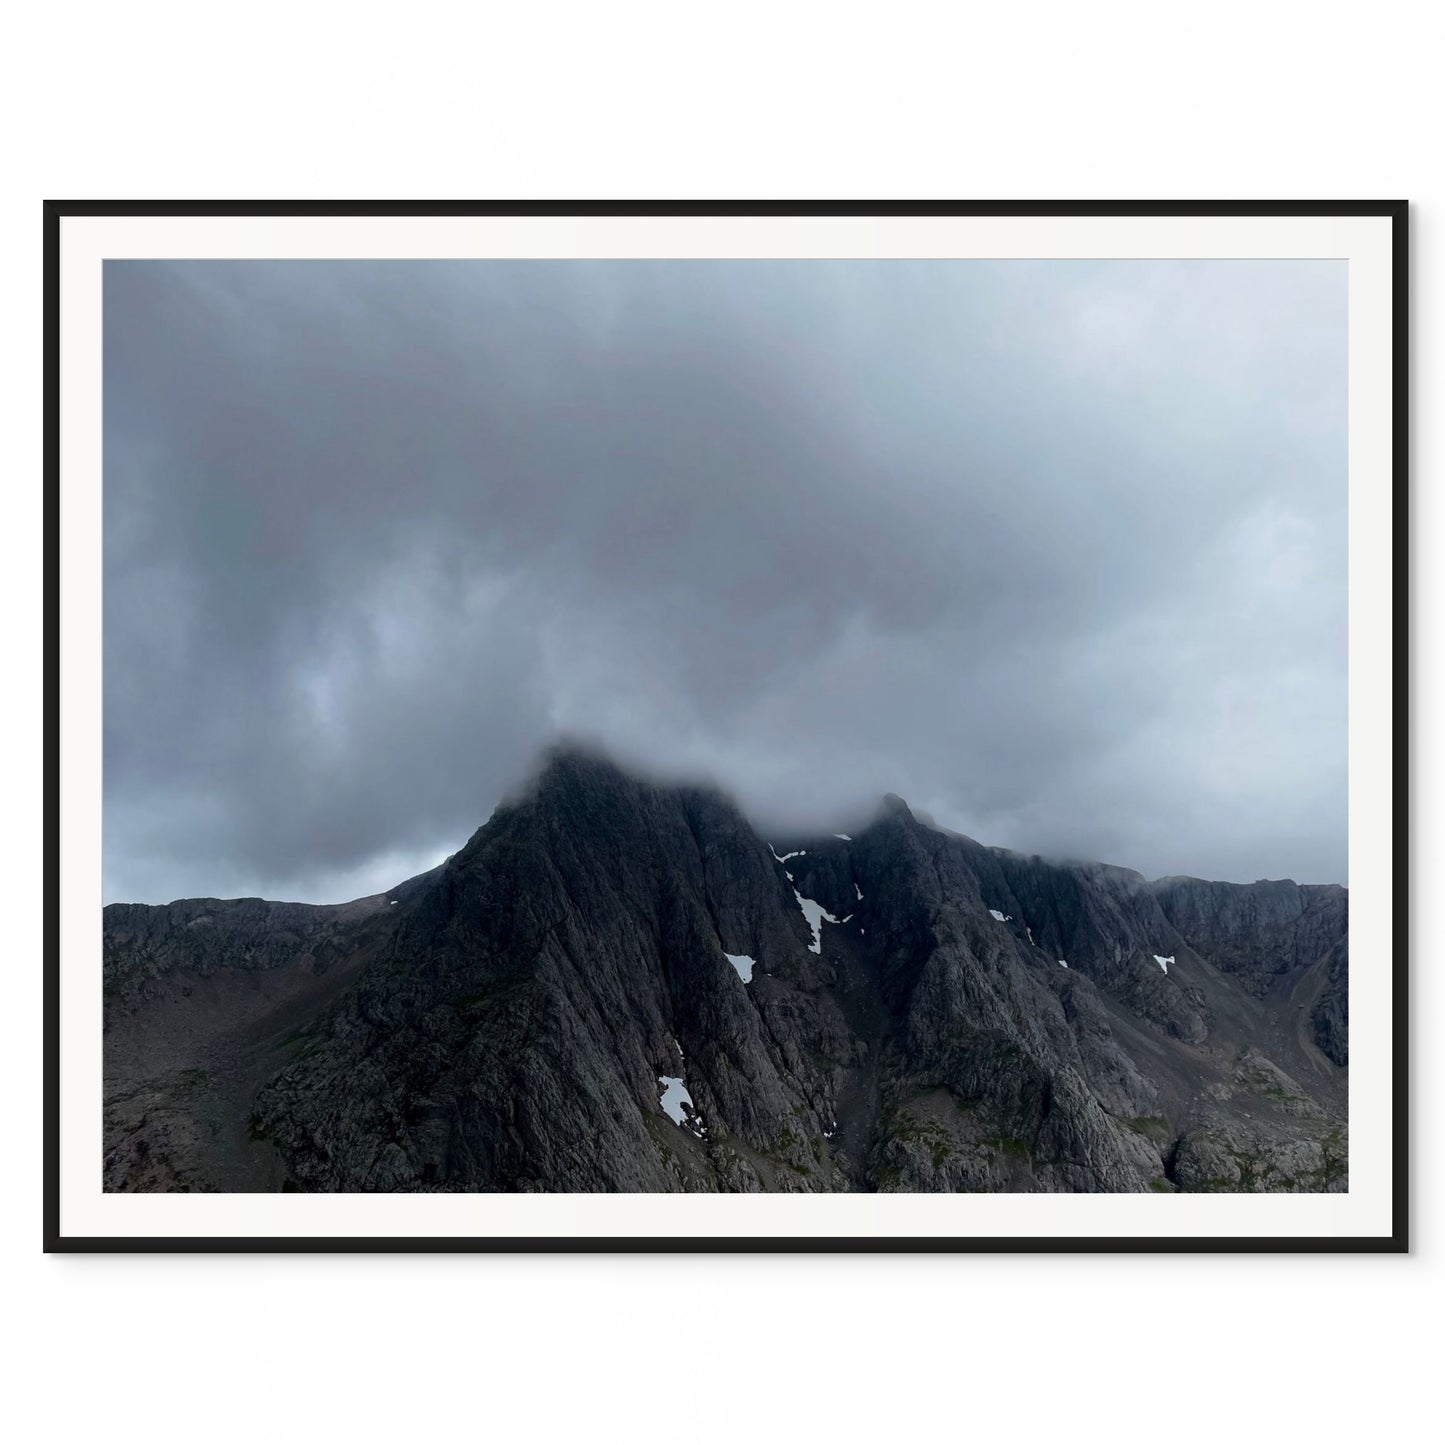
x,y
505,1021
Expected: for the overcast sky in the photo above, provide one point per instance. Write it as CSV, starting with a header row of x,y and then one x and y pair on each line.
x,y
1056,551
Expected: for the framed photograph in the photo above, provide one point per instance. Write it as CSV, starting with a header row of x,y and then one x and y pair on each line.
x,y
726,726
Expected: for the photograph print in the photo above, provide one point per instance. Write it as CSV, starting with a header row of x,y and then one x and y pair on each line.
x,y
677,725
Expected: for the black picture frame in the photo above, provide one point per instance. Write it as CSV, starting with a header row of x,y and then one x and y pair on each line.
x,y
1396,211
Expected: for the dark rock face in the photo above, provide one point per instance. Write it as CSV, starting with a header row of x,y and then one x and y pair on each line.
x,y
148,948
529,1015
1257,931
1331,1013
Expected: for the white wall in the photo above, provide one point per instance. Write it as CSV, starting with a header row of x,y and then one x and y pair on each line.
x,y
794,101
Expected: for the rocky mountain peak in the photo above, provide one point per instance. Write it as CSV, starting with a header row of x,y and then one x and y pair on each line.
x,y
617,984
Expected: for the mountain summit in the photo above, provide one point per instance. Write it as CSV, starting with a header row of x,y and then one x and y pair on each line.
x,y
618,985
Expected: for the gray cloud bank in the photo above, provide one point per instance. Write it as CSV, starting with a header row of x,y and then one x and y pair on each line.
x,y
1056,551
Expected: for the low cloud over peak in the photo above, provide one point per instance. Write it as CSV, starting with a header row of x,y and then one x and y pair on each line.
x,y
1054,550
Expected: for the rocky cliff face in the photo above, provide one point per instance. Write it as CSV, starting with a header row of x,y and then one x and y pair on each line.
x,y
619,986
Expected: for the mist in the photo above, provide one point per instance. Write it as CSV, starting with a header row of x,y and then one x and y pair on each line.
x,y
1054,550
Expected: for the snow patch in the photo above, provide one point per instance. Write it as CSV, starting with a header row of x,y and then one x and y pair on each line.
x,y
859,892
1164,962
674,1096
1002,917
796,853
816,915
1062,964
743,964
843,836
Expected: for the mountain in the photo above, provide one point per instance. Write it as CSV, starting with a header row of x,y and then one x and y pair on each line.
x,y
617,985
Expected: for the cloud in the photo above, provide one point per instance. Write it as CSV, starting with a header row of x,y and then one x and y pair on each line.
x,y
1055,550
